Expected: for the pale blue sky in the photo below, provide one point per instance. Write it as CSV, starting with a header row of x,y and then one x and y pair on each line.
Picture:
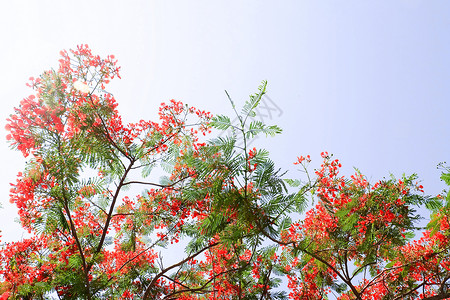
x,y
365,80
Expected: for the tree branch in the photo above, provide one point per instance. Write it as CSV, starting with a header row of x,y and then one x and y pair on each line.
x,y
153,282
111,209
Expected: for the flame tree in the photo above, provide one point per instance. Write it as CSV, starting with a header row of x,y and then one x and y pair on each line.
x,y
101,199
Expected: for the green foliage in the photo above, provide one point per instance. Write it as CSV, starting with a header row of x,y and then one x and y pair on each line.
x,y
245,225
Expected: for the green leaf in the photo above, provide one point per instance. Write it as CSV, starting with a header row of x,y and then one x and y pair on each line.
x,y
292,182
349,222
446,178
147,169
434,204
252,103
221,122
272,130
285,223
62,219
409,235
165,180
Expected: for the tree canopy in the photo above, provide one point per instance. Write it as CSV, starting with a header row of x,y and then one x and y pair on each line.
x,y
102,201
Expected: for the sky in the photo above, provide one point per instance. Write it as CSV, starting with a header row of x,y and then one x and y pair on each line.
x,y
364,80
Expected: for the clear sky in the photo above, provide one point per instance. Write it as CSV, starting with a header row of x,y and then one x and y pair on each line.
x,y
365,80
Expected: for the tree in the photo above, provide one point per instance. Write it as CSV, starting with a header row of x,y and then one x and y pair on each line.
x,y
99,217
